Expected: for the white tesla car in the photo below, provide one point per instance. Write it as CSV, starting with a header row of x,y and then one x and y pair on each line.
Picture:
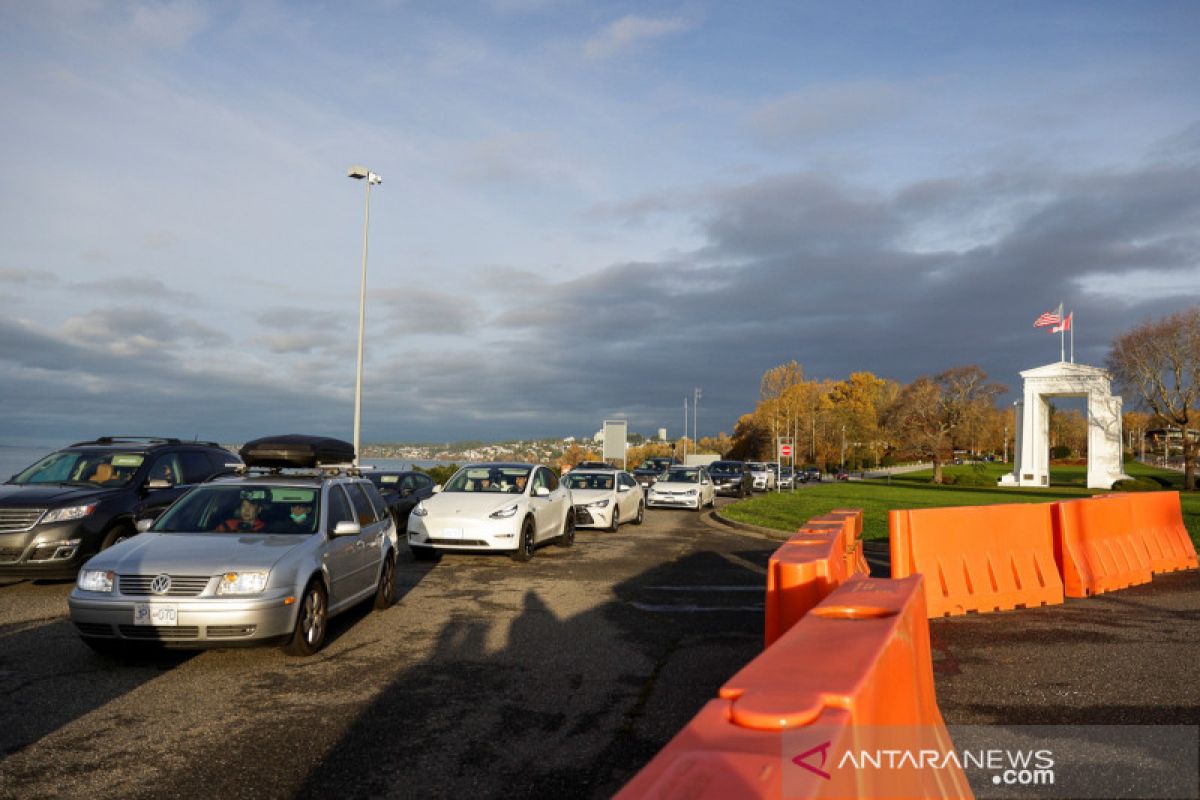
x,y
683,487
486,507
605,498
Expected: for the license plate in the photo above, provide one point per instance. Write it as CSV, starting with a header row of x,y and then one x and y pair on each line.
x,y
452,533
156,614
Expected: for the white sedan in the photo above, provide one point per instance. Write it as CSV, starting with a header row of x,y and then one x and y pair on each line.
x,y
487,507
605,498
683,487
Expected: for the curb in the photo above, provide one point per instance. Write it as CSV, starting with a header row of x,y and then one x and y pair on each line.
x,y
769,533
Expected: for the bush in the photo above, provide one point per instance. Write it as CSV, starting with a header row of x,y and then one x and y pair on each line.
x,y
1135,485
887,461
1060,451
1162,480
440,474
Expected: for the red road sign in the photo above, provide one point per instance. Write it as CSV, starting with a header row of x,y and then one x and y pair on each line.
x,y
785,450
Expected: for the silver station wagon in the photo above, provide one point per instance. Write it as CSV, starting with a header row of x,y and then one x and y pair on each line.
x,y
268,556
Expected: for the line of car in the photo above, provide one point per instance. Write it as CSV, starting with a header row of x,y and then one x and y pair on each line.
x,y
187,544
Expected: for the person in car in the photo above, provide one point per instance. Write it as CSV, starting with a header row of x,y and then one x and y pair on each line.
x,y
300,518
247,519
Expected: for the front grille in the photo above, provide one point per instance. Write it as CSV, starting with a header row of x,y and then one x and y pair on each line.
x,y
10,554
94,628
181,585
159,633
459,542
583,516
230,631
19,519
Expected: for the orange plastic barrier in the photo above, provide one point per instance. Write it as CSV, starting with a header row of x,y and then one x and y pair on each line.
x,y
1096,546
1158,520
854,674
800,574
856,560
978,558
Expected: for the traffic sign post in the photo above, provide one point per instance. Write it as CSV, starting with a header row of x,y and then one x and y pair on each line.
x,y
785,448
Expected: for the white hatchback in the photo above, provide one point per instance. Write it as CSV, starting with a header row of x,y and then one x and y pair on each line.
x,y
683,487
605,498
486,507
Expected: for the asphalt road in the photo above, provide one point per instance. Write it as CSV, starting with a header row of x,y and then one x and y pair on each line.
x,y
556,678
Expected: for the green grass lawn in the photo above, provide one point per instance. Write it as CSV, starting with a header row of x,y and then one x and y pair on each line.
x,y
786,511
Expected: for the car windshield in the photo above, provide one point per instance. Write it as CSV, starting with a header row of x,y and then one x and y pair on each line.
x,y
584,480
488,478
83,468
243,508
724,466
682,476
757,466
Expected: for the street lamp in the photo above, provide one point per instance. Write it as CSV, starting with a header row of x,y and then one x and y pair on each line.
x,y
358,173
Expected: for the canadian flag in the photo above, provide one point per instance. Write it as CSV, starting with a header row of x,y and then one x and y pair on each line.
x,y
1064,326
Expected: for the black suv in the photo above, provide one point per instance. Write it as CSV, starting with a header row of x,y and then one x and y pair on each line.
x,y
731,478
648,471
84,498
401,492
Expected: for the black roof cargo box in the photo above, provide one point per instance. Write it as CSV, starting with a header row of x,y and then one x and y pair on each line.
x,y
296,450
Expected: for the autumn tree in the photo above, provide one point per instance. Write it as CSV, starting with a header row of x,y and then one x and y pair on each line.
x,y
926,413
1160,361
574,454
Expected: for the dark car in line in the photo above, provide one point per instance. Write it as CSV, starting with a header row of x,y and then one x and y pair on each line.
x,y
85,498
648,471
401,490
731,478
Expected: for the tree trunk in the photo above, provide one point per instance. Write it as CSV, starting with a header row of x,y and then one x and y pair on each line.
x,y
937,469
1189,461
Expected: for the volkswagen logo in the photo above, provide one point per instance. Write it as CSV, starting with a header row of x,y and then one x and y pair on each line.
x,y
161,584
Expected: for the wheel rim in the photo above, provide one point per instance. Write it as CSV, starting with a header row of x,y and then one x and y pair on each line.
x,y
528,540
641,512
389,579
314,617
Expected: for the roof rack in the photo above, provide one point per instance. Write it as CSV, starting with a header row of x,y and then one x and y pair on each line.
x,y
320,471
131,439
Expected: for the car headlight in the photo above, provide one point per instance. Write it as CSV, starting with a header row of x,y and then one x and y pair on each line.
x,y
94,580
599,504
505,512
69,513
242,583
689,493
420,510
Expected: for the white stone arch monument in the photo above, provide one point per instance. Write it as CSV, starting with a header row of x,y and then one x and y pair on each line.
x,y
1032,457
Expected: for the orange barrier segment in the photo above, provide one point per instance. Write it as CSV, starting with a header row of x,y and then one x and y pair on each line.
x,y
1096,546
978,558
801,572
856,560
853,674
1158,520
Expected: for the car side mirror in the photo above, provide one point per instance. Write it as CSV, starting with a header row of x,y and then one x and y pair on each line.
x,y
347,528
143,525
541,491
158,483
622,488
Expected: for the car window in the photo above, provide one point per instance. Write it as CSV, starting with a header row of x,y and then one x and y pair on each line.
x,y
376,499
362,504
627,480
408,483
539,479
196,466
339,507
677,475
166,468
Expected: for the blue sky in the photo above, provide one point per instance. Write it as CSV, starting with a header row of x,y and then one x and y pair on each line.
x,y
588,208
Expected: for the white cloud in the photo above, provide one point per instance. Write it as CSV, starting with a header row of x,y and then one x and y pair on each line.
x,y
168,24
630,31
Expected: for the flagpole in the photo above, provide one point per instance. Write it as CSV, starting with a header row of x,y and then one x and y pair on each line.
x,y
1062,342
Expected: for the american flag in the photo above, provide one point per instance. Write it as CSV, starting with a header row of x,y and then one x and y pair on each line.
x,y
1049,318
1065,325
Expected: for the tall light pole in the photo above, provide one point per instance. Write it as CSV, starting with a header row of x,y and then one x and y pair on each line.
x,y
359,173
695,415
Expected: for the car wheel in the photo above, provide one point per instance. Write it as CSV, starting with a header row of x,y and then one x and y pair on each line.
x,y
312,619
118,533
527,545
641,515
385,593
567,537
616,519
